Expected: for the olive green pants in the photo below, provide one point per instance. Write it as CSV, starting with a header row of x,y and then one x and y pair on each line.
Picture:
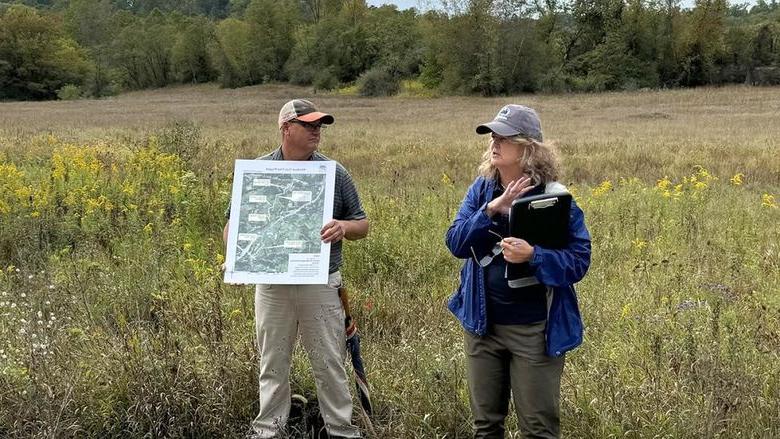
x,y
512,357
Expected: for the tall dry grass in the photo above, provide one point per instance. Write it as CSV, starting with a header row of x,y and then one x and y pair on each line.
x,y
114,321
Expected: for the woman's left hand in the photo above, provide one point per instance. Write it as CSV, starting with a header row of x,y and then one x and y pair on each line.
x,y
517,250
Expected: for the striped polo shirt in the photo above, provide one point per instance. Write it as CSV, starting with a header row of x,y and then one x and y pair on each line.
x,y
346,202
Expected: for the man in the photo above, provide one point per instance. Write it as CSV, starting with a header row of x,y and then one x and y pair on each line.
x,y
282,312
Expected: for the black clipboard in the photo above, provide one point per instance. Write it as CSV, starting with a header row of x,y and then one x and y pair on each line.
x,y
541,220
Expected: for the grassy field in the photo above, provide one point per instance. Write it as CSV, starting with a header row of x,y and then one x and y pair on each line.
x,y
114,321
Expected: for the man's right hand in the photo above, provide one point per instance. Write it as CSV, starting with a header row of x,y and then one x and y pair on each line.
x,y
514,190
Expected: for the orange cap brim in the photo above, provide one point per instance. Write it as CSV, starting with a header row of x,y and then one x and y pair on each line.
x,y
326,118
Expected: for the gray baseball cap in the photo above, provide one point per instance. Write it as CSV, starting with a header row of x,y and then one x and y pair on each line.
x,y
514,120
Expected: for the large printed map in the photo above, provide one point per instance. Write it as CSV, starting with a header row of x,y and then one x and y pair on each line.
x,y
282,208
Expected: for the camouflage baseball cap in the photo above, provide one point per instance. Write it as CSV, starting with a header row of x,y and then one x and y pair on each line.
x,y
302,110
514,120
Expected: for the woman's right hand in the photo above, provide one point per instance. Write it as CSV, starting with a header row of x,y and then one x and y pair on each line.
x,y
514,190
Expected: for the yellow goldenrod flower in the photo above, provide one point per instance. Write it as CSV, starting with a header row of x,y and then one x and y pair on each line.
x,y
603,188
663,184
736,180
445,179
768,201
58,167
703,175
128,189
23,194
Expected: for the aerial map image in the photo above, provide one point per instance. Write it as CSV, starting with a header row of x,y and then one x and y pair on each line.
x,y
279,222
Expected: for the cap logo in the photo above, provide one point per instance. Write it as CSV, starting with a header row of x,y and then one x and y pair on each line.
x,y
504,113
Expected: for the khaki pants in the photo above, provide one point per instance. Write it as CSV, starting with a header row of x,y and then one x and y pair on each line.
x,y
282,312
513,357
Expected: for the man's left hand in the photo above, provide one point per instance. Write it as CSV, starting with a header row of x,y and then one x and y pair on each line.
x,y
333,231
517,250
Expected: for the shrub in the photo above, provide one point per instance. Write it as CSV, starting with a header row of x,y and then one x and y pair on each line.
x,y
378,82
325,80
69,92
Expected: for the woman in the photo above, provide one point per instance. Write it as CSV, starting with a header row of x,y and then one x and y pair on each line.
x,y
515,338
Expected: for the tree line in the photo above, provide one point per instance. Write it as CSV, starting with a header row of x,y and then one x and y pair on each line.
x,y
77,48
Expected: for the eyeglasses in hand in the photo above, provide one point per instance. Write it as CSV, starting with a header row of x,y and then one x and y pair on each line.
x,y
495,251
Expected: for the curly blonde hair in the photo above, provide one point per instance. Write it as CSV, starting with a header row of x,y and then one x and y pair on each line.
x,y
540,161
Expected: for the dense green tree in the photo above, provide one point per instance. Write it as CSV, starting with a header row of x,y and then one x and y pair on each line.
x,y
524,59
592,23
670,35
623,59
704,45
36,57
90,22
142,51
396,39
314,10
255,49
336,45
463,49
190,60
434,41
94,25
737,59
271,24
230,53
765,46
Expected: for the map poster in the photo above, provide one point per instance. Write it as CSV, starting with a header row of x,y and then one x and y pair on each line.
x,y
278,209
